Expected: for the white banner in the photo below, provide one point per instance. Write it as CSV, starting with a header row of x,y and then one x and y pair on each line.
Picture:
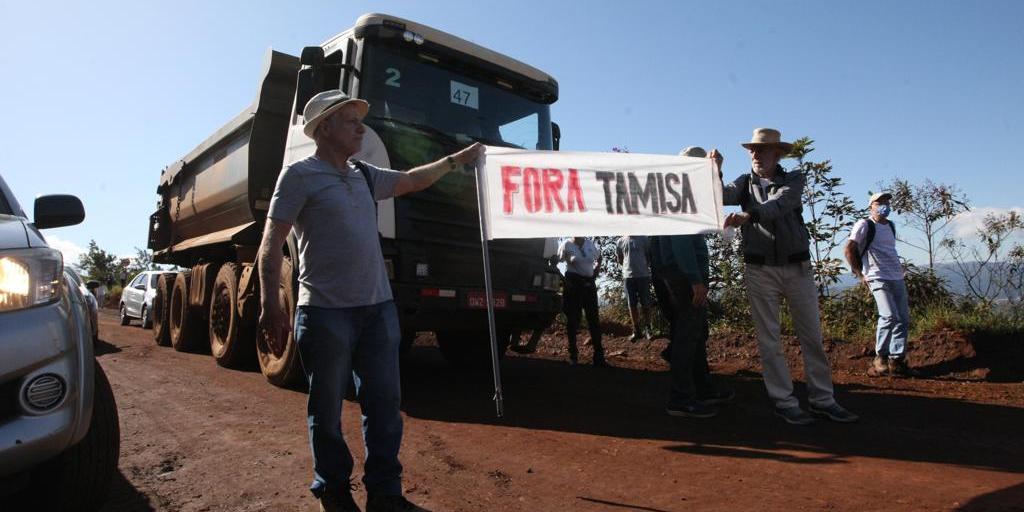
x,y
537,194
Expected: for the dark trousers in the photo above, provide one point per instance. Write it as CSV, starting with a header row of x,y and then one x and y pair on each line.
x,y
664,303
581,294
691,377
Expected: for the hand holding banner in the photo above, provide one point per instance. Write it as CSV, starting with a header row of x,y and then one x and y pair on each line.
x,y
535,194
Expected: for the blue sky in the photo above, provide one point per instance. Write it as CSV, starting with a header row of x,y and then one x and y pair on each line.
x,y
98,97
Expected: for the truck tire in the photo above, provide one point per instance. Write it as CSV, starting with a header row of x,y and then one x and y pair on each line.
x,y
284,370
79,478
231,338
161,310
182,316
470,350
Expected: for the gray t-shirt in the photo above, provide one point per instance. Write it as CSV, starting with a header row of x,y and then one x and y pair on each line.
x,y
335,220
633,251
881,260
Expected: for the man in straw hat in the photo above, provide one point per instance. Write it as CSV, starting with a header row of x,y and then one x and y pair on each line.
x,y
346,324
871,253
777,256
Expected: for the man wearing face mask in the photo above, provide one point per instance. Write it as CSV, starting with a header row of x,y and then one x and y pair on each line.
x,y
871,253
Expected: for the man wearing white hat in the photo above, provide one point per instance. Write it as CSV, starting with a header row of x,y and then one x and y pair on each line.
x,y
871,253
776,252
346,324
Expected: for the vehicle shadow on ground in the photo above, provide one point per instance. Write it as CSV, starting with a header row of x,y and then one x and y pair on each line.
x,y
620,402
124,496
101,347
1004,500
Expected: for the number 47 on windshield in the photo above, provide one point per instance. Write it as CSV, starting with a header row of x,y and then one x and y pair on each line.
x,y
465,95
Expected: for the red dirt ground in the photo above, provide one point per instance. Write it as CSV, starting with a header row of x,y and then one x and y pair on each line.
x,y
196,437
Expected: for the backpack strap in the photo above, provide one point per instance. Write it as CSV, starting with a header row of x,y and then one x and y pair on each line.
x,y
365,171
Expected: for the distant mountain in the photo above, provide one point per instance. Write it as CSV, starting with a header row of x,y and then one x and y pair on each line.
x,y
948,272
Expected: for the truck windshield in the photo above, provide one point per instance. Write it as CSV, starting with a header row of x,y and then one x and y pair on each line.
x,y
414,100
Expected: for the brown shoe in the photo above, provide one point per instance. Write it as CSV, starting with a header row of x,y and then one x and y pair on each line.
x,y
878,368
900,368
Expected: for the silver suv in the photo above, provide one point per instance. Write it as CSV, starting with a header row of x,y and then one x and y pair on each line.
x,y
59,436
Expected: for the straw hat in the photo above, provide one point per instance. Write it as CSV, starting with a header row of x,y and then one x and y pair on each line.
x,y
767,137
326,103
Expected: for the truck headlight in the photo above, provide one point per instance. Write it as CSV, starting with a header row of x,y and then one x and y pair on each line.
x,y
29,277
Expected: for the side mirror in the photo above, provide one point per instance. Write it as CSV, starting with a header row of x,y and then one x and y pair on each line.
x,y
92,285
140,287
556,135
57,210
312,56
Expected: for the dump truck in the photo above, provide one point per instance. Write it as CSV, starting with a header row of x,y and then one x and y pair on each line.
x,y
430,93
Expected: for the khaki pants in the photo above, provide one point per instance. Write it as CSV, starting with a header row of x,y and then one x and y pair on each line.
x,y
767,285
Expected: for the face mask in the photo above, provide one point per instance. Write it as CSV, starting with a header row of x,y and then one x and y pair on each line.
x,y
884,210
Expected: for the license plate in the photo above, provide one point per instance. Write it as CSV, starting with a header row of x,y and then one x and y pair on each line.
x,y
478,300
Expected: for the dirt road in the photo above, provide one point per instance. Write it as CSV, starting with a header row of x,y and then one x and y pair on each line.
x,y
196,437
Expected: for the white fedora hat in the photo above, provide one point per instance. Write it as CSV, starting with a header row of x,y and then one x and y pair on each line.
x,y
325,104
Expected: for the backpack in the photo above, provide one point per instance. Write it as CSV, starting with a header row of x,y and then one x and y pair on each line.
x,y
870,237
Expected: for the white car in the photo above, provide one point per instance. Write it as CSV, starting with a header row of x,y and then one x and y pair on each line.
x,y
59,434
137,298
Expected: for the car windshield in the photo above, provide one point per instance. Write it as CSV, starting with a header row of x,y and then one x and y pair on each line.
x,y
422,110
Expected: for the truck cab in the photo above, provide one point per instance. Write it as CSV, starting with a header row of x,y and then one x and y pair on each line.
x,y
430,94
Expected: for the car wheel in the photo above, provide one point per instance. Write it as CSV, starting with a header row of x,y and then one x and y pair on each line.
x,y
125,319
83,472
147,322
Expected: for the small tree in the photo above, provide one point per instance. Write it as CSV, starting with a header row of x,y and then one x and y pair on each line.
x,y
992,269
832,213
99,264
142,261
927,208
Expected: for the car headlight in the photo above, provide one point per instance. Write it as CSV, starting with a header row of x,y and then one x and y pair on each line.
x,y
29,277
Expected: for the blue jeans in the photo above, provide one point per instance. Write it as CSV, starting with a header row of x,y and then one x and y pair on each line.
x,y
893,317
361,342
